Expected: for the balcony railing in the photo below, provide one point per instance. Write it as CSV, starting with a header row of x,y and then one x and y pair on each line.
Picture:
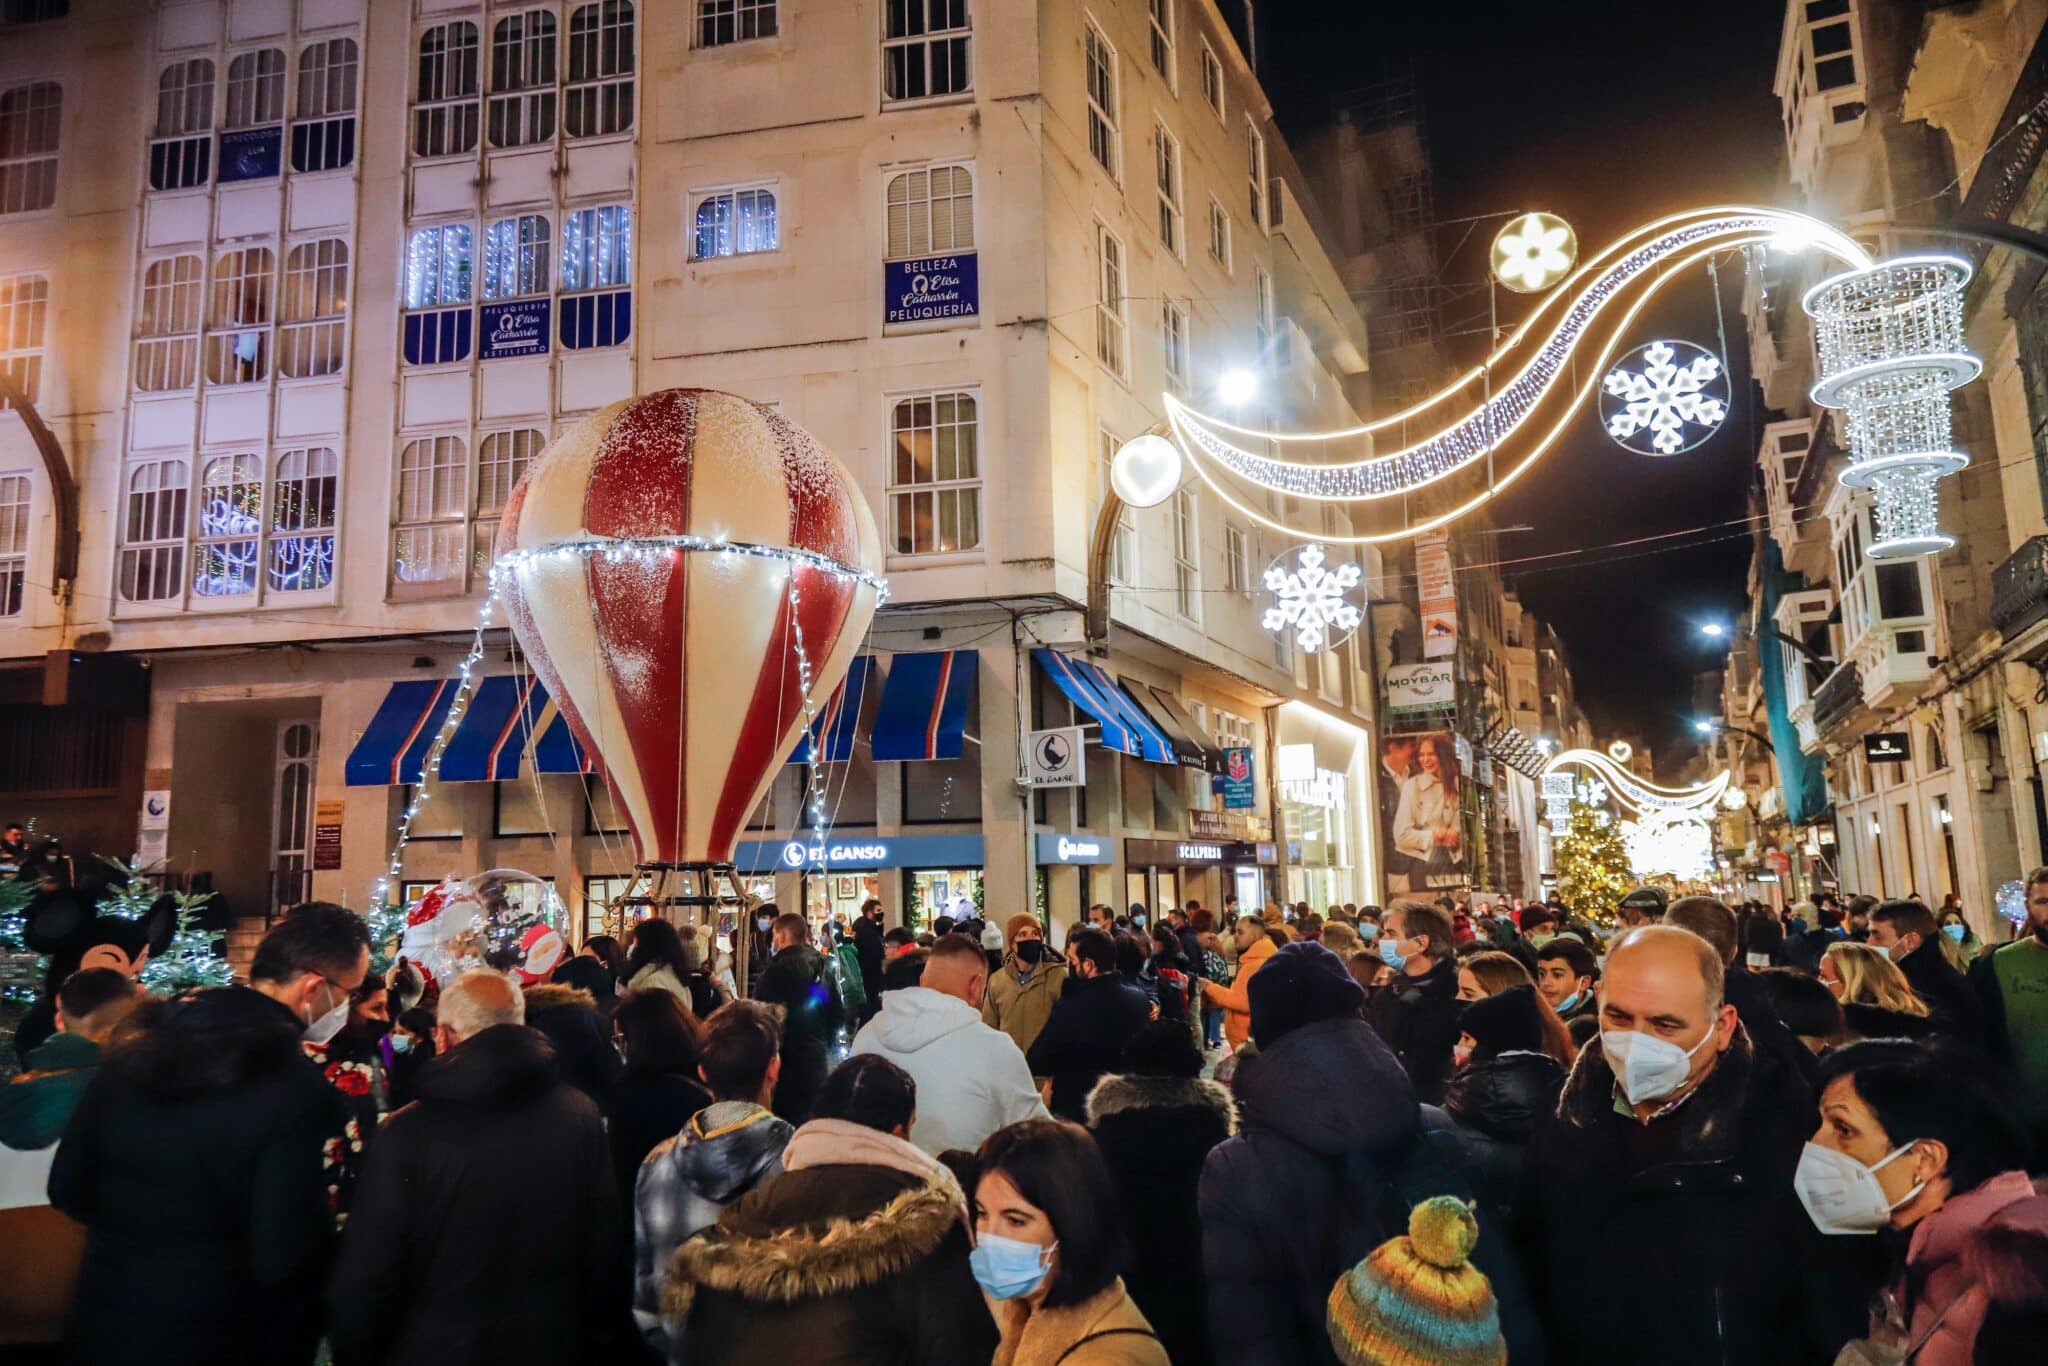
x,y
1838,696
2019,588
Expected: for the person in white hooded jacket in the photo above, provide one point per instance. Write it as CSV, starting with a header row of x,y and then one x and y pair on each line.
x,y
971,1079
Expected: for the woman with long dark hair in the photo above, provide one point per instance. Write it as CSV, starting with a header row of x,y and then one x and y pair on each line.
x,y
657,959
661,1089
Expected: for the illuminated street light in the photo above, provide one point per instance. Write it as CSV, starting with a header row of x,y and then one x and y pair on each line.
x,y
1713,630
1237,387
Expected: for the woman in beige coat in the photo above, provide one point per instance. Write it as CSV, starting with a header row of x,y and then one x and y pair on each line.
x,y
1046,1252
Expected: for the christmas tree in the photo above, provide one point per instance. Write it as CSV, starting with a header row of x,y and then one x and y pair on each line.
x,y
195,957
1593,873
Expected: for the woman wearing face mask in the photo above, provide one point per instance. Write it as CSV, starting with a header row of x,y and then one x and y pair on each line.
x,y
1047,1250
1912,1137
1876,1001
1958,943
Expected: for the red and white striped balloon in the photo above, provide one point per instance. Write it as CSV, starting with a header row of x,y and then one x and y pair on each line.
x,y
679,670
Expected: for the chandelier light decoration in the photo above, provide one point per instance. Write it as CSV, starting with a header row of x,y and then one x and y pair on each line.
x,y
1310,600
1891,348
1664,398
1497,418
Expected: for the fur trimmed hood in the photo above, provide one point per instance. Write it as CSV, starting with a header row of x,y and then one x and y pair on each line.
x,y
1119,1093
754,1254
554,995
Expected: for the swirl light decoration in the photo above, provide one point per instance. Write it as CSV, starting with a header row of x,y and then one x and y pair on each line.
x,y
1525,392
1633,793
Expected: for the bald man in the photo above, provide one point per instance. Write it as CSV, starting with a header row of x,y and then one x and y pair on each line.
x,y
497,1176
1662,1225
971,1079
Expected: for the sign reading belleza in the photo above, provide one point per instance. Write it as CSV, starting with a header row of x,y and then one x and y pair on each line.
x,y
931,288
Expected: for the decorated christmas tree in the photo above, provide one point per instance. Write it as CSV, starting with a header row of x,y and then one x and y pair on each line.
x,y
195,957
1593,872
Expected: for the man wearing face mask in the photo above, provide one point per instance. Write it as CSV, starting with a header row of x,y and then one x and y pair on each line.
x,y
1090,1024
1417,1013
2011,985
1661,1217
1021,991
197,1162
1909,933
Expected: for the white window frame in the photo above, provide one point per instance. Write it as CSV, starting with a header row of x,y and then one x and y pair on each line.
x,y
155,493
1255,172
741,15
29,163
1212,80
1174,341
732,193
305,491
502,456
1187,556
1122,547
431,498
1219,234
168,316
1169,181
1112,304
240,318
522,103
255,88
447,117
919,209
1161,40
597,249
184,98
929,48
312,309
601,96
518,258
964,490
454,276
1265,324
1101,85
326,79
24,330
242,542
1237,560
17,502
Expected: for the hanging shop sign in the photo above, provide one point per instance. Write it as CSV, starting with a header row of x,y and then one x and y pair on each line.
x,y
1052,758
1168,853
1228,825
518,327
1091,849
251,154
1238,782
1421,687
1436,595
931,289
327,835
1887,747
854,852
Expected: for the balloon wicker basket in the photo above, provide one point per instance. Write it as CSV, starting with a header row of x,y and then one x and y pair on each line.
x,y
707,895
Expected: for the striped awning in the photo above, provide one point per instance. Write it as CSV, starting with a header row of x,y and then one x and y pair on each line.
x,y
1124,726
830,738
489,742
924,705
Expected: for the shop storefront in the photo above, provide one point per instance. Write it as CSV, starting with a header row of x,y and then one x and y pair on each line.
x,y
1320,777
936,874
1164,874
1087,863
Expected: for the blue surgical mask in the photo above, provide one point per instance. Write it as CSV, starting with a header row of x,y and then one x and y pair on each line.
x,y
1567,1003
401,1043
1392,956
1008,1268
1955,932
1368,931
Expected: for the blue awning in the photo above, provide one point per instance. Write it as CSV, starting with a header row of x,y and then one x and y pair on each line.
x,y
830,740
1124,727
924,705
489,743
394,745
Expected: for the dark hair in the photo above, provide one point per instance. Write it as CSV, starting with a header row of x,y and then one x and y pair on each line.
x,y
1203,920
609,952
1907,917
1707,918
1804,1003
1933,1090
735,1046
373,982
901,936
1163,1048
1091,945
1761,933
790,923
1536,917
1572,952
318,937
660,1033
1130,953
942,925
418,1020
1056,1167
84,994
656,941
1419,918
869,1090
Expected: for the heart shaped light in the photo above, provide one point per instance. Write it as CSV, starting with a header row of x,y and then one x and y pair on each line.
x,y
1146,470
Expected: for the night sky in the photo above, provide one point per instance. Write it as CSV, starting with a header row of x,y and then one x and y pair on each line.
x,y
1610,114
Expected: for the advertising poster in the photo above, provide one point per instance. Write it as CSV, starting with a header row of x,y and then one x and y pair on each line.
x,y
1420,791
1436,595
931,289
1236,780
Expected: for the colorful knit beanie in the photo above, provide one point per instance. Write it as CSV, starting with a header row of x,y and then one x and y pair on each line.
x,y
1416,1301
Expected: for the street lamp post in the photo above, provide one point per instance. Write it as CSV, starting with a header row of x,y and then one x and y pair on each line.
x,y
1715,630
1712,728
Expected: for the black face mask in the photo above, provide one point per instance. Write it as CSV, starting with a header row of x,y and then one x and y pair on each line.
x,y
1029,951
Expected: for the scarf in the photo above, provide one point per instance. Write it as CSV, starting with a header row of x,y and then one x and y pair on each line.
x,y
842,1143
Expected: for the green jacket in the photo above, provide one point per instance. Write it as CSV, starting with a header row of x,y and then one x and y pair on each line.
x,y
35,1106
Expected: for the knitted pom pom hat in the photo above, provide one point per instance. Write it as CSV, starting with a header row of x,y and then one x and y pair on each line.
x,y
1416,1301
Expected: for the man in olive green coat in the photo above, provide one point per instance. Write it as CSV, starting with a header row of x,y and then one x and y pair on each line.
x,y
1021,993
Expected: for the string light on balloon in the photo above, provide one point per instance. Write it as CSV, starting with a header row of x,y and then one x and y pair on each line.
x,y
1310,600
1664,398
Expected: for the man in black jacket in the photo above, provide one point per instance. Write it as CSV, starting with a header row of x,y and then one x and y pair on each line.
x,y
1417,1013
1090,1024
1715,923
872,951
1658,1208
1908,932
795,979
201,1162
487,1225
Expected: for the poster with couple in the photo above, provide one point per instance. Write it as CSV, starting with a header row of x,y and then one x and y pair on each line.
x,y
1420,789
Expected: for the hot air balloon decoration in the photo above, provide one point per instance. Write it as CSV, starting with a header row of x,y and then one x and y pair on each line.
x,y
690,575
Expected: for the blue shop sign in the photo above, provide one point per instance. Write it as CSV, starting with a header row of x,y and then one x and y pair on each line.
x,y
518,327
931,289
857,852
1075,849
251,154
1237,780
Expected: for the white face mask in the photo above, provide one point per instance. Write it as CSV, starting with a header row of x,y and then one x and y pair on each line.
x,y
1648,1068
1842,1195
325,1027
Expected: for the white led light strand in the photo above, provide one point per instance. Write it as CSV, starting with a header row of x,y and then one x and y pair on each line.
x,y
1632,792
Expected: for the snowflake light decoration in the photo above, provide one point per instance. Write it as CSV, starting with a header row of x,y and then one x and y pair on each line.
x,y
1309,600
1664,398
1533,252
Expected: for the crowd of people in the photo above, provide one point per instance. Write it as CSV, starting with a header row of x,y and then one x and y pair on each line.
x,y
1452,1131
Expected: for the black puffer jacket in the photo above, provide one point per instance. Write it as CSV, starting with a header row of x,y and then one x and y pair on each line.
x,y
196,1162
1418,1017
1492,1107
495,1183
1085,1036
